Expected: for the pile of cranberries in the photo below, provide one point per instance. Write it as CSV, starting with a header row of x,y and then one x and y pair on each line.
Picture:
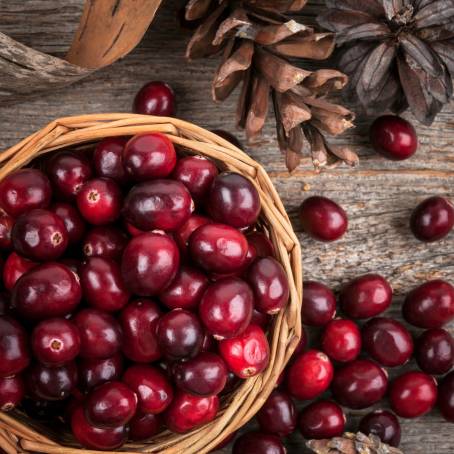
x,y
137,289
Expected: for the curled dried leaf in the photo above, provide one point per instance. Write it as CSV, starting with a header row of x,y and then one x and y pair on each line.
x,y
318,46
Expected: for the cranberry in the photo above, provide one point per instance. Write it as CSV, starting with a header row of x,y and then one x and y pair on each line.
x,y
153,390
432,219
150,262
180,334
55,341
319,304
4,303
110,405
74,224
14,354
68,172
260,319
100,334
182,234
323,419
218,248
309,375
204,375
197,173
226,308
12,391
40,235
383,424
15,267
278,414
233,200
144,426
107,159
95,372
155,98
323,219
413,394
229,137
247,354
51,383
186,412
435,351
262,244
6,225
258,443
431,305
387,341
446,397
302,343
48,290
99,201
359,384
186,289
23,191
104,241
366,296
102,284
139,321
91,437
393,137
149,156
341,340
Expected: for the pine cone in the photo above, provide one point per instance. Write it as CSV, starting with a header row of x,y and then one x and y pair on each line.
x,y
351,443
256,39
398,53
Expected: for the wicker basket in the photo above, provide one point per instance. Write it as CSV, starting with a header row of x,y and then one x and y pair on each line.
x,y
18,433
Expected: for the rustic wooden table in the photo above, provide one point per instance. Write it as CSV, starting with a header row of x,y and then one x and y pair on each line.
x,y
378,196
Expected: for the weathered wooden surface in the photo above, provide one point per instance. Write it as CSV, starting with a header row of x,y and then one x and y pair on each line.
x,y
378,196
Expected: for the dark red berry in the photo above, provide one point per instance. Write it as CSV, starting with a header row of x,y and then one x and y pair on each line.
x,y
359,384
4,303
55,341
393,137
446,397
319,304
366,296
15,266
108,160
14,354
387,341
95,372
383,424
303,342
278,414
258,443
24,190
143,426
432,219
435,351
154,392
229,137
75,225
105,241
12,391
260,319
182,234
431,305
40,235
155,98
413,394
6,226
262,244
341,340
323,219
309,375
321,420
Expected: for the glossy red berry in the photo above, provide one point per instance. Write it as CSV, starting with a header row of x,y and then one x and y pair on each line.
x,y
309,375
12,391
366,296
40,235
55,341
393,137
6,226
319,304
99,201
48,290
108,160
247,354
14,353
413,394
15,266
100,334
155,98
278,414
186,412
432,219
323,219
258,443
144,426
383,424
95,372
104,241
341,340
24,190
321,420
431,305
359,384
387,341
435,351
75,225
262,244
154,392
446,397
182,234
139,322
150,262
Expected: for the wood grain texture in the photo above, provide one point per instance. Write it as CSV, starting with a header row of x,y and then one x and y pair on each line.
x,y
378,196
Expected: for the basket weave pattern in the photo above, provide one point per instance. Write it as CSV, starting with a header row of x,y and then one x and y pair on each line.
x,y
20,434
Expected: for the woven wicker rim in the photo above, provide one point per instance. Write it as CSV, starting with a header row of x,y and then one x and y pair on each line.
x,y
20,434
